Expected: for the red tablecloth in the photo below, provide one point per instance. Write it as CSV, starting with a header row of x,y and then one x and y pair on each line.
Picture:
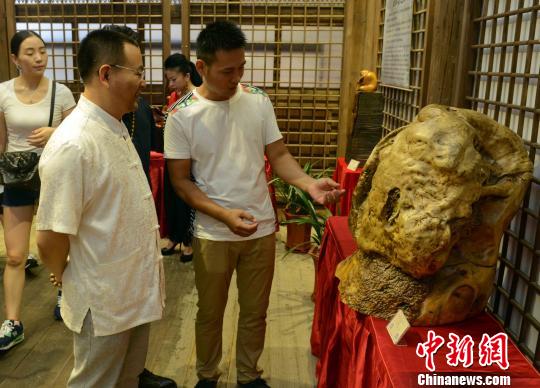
x,y
157,170
355,350
347,179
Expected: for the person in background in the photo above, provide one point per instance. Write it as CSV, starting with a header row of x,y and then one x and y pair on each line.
x,y
96,207
140,124
25,112
182,78
220,133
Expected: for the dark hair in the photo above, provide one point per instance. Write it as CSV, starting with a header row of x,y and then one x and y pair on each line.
x,y
123,30
100,47
19,37
220,35
179,62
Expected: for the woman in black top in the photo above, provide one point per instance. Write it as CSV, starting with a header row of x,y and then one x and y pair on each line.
x,y
182,77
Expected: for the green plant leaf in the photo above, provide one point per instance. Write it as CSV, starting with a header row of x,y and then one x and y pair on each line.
x,y
298,202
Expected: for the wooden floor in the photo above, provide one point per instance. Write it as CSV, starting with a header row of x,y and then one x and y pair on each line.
x,y
45,359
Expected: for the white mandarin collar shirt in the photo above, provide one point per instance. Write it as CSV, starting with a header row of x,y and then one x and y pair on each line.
x,y
101,116
94,189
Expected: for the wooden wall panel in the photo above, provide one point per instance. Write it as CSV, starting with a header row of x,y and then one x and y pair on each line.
x,y
446,24
294,52
7,29
359,52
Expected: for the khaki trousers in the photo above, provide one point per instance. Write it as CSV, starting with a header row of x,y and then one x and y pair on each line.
x,y
214,263
108,361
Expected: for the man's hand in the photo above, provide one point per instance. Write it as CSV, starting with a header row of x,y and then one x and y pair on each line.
x,y
325,190
40,136
241,222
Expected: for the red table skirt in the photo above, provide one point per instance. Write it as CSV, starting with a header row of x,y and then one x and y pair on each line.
x,y
157,172
347,180
355,350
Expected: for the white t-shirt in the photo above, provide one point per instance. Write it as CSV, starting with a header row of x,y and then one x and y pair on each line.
x,y
94,189
225,141
22,119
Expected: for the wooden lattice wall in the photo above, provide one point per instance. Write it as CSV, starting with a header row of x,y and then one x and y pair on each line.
x,y
402,105
506,75
294,52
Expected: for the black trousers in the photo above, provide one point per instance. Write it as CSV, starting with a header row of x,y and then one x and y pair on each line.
x,y
179,214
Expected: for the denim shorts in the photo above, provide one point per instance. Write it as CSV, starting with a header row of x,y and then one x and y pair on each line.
x,y
19,197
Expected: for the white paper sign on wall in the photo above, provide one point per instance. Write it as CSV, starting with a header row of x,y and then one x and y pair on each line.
x,y
396,53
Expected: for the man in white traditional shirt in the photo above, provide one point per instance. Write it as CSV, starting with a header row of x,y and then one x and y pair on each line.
x,y
96,206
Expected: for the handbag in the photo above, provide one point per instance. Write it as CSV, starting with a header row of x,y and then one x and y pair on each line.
x,y
19,169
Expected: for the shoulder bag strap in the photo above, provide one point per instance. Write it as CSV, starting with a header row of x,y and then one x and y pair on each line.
x,y
53,95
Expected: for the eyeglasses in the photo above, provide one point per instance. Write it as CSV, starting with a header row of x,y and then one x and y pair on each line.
x,y
138,72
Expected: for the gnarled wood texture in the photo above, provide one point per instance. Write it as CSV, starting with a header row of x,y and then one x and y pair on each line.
x,y
428,214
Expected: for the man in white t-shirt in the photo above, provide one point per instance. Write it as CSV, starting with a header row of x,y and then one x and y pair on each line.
x,y
221,133
96,206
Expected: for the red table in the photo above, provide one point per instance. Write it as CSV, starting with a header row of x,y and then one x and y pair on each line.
x,y
157,171
355,350
347,179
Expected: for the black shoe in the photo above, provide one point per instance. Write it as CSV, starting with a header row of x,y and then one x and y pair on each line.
x,y
206,384
149,380
57,313
186,258
257,383
169,251
31,262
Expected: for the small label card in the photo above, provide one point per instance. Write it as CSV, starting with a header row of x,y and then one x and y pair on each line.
x,y
398,326
353,165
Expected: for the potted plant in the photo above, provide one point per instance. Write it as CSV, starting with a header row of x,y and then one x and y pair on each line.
x,y
301,216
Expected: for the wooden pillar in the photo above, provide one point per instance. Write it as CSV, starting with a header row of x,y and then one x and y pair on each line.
x,y
7,29
467,57
448,52
4,44
166,31
359,52
166,38
186,28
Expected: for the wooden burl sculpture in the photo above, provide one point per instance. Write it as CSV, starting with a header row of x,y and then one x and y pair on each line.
x,y
428,215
